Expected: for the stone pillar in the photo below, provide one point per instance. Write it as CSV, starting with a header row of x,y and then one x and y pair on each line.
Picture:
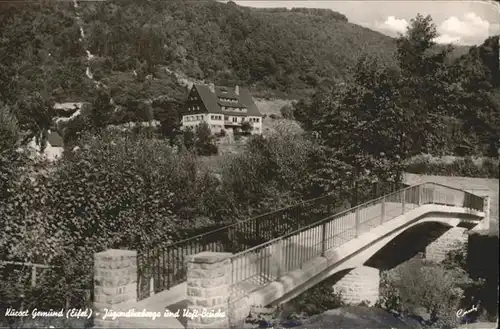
x,y
452,239
115,282
208,290
362,284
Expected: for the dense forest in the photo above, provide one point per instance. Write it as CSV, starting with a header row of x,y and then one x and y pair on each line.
x,y
428,104
275,51
135,47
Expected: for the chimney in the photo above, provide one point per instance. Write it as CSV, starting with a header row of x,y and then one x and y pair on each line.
x,y
212,87
237,90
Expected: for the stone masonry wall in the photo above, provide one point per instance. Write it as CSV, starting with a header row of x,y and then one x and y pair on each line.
x,y
115,280
360,285
450,240
208,290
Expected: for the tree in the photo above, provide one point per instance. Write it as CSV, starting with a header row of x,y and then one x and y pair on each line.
x,y
169,123
246,127
474,98
141,196
204,140
188,139
102,110
369,127
269,174
287,112
9,129
9,140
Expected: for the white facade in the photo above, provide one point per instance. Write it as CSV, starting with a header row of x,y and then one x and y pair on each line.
x,y
217,122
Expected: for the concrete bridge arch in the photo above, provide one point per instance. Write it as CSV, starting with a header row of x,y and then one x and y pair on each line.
x,y
265,275
358,259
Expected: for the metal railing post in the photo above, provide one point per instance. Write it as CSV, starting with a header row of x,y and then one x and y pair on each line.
x,y
33,276
279,257
323,239
419,196
403,200
382,219
358,228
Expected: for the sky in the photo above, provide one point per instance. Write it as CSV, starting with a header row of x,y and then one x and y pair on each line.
x,y
458,21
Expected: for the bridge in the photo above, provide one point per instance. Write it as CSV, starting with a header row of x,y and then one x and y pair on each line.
x,y
277,268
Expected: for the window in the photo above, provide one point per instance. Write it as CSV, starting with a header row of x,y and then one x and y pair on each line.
x,y
235,119
197,108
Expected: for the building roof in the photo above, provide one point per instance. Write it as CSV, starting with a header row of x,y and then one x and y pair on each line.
x,y
213,104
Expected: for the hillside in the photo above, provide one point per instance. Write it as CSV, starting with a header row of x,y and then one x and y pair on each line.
x,y
278,52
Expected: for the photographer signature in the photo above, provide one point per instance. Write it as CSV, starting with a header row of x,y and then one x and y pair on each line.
x,y
461,313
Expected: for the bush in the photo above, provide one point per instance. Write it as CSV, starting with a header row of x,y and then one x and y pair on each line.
x,y
489,168
287,112
205,141
246,127
273,116
317,300
416,284
116,191
269,173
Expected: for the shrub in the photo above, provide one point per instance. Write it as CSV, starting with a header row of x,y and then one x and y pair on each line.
x,y
317,300
188,139
116,191
287,112
9,129
417,283
268,174
489,168
246,127
273,116
205,141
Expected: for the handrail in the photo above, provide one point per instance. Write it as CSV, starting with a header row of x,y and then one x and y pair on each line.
x,y
225,227
312,225
165,264
258,264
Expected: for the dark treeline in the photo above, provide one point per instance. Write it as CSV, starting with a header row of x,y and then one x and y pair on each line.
x,y
281,52
427,104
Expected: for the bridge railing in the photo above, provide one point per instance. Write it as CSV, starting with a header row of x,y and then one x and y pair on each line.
x,y
166,265
262,264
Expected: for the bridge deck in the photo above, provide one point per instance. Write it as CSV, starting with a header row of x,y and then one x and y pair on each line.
x,y
254,270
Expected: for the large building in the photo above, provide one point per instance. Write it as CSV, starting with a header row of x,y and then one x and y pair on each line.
x,y
221,108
